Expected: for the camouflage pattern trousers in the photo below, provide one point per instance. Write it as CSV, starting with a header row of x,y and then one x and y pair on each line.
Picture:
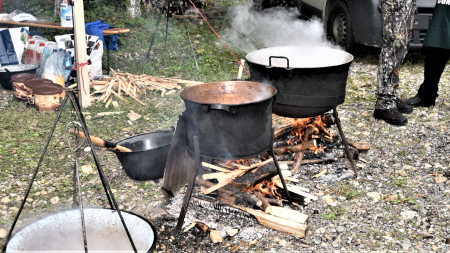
x,y
398,18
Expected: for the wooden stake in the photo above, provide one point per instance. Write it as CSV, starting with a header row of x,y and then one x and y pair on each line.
x,y
81,54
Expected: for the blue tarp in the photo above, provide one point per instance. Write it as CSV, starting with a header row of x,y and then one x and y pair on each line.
x,y
96,28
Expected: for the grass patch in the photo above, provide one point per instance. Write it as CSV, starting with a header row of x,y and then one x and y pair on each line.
x,y
348,191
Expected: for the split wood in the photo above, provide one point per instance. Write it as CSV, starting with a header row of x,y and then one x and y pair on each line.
x,y
120,84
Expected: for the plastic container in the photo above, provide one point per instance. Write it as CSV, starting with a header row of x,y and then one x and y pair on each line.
x,y
31,84
29,54
5,76
66,15
47,98
51,44
18,83
38,51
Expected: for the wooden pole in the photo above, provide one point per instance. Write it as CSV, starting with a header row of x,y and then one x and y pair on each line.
x,y
81,54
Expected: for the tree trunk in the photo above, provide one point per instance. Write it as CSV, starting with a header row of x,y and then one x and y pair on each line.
x,y
134,9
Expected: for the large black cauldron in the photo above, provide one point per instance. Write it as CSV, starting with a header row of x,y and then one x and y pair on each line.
x,y
310,80
231,119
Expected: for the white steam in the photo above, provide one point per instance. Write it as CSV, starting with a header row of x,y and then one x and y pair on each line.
x,y
251,30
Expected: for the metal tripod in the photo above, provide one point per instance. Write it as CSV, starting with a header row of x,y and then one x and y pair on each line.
x,y
112,201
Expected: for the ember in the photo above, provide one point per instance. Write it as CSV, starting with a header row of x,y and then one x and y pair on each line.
x,y
267,189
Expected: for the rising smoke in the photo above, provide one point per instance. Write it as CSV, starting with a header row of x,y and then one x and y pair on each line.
x,y
252,30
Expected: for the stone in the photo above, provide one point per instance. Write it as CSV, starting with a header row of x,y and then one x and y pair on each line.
x,y
54,200
340,229
3,233
403,173
328,199
5,200
440,180
87,169
335,244
408,215
234,248
376,196
282,242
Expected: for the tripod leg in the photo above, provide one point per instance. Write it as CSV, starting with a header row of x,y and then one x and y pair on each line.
x,y
8,236
347,150
271,153
156,29
187,196
167,31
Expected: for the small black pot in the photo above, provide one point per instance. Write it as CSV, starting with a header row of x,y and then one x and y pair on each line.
x,y
149,156
5,76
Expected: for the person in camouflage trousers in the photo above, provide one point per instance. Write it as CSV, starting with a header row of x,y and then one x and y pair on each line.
x,y
398,18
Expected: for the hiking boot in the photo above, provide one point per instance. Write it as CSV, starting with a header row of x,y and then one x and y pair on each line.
x,y
403,108
416,101
392,116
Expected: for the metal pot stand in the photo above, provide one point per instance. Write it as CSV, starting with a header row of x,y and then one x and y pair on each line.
x,y
197,163
76,150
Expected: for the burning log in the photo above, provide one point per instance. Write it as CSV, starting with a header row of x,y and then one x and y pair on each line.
x,y
296,148
202,227
277,223
298,162
265,203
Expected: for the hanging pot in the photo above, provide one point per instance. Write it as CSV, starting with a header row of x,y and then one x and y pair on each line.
x,y
62,232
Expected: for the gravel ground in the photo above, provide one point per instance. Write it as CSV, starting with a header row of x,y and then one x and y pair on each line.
x,y
399,202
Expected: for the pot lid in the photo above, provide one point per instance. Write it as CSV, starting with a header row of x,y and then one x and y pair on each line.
x,y
48,89
35,82
22,77
299,57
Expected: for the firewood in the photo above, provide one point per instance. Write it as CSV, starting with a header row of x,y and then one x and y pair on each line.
x,y
94,82
296,148
215,236
275,202
214,167
117,95
273,222
189,227
225,182
361,145
108,113
220,176
202,227
115,104
232,231
298,162
226,199
211,184
265,203
287,214
295,190
322,172
109,102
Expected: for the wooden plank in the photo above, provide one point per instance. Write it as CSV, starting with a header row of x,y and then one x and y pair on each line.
x,y
56,25
81,54
287,214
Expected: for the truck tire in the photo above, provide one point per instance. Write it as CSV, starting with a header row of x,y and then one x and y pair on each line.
x,y
339,25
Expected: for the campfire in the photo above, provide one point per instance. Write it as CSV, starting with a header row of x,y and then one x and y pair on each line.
x,y
253,185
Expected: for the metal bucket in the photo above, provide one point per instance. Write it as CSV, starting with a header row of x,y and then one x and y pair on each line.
x,y
61,232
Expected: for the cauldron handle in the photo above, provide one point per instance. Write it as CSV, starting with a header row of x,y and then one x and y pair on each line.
x,y
222,107
280,57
